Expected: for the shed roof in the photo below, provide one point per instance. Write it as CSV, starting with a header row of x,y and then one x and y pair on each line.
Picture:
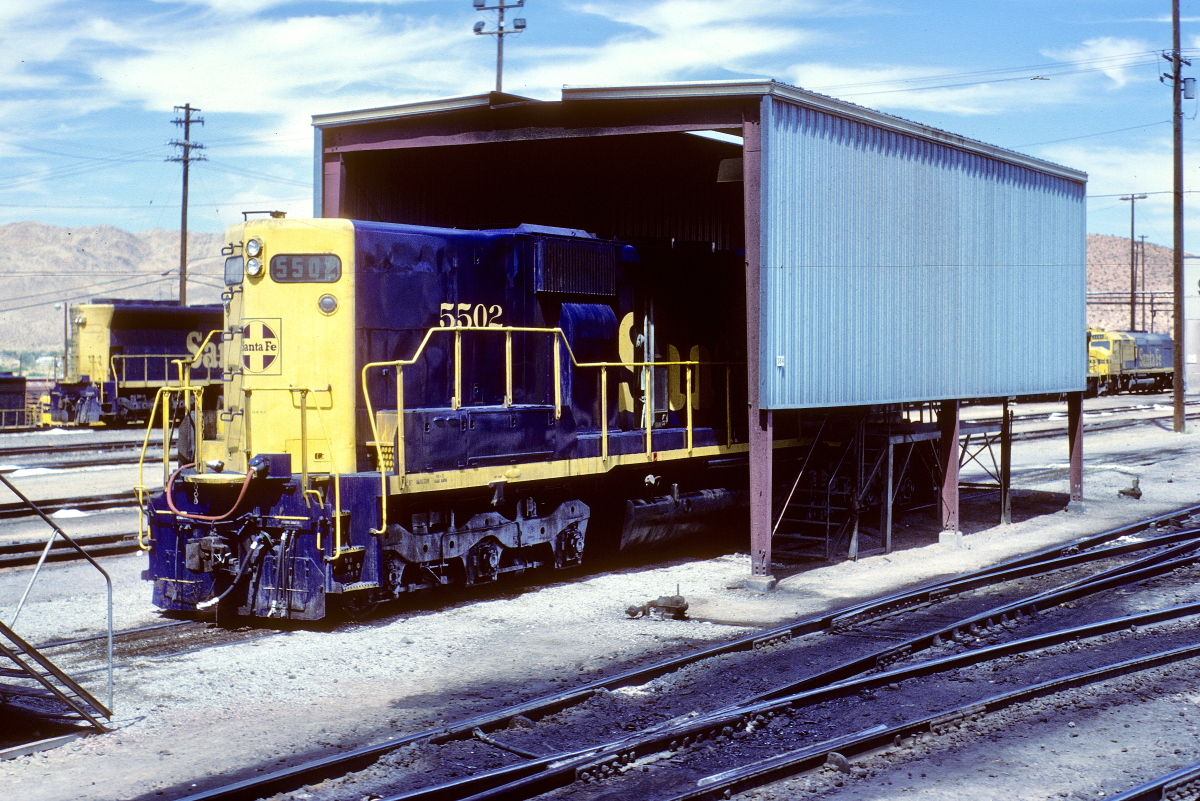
x,y
733,90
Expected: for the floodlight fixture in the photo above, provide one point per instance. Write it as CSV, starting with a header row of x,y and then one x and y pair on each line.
x,y
518,26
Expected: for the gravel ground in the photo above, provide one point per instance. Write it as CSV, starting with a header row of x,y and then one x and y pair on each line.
x,y
254,706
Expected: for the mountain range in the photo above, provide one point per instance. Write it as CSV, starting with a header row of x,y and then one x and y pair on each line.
x,y
44,265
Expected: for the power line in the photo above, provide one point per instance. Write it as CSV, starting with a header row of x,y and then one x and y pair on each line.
x,y
1101,133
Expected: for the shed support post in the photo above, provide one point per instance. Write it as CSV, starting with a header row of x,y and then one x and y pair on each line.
x,y
948,448
333,186
761,424
1075,445
1006,422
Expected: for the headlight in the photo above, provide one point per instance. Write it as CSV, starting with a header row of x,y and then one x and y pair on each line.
x,y
253,266
253,247
327,304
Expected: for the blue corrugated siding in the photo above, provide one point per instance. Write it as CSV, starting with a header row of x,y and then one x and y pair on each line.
x,y
896,269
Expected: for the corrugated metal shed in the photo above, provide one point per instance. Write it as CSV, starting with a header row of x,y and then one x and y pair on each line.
x,y
894,261
897,268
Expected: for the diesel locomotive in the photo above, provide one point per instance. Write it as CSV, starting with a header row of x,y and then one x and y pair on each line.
x,y
121,351
408,407
1127,361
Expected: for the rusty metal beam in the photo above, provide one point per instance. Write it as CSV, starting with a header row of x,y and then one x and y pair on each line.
x,y
1075,447
948,452
761,423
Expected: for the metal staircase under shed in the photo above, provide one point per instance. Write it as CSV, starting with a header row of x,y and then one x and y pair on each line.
x,y
851,477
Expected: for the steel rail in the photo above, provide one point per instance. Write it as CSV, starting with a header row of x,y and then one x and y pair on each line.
x,y
127,498
116,634
23,554
1153,565
69,447
802,760
515,782
1178,784
290,778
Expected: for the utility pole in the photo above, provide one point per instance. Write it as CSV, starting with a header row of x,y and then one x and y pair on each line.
x,y
1142,277
186,146
1133,199
500,32
1176,78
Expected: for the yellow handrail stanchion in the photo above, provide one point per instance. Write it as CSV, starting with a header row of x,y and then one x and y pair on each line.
x,y
728,407
456,401
687,401
604,413
648,404
303,439
557,380
398,452
508,369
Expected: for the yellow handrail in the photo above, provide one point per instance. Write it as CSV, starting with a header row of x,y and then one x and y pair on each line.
x,y
120,376
559,340
335,473
141,489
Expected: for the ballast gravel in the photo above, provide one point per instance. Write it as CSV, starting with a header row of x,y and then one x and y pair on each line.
x,y
205,717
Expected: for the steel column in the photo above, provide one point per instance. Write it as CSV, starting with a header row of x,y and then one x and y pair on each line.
x,y
948,451
1006,422
761,433
1075,444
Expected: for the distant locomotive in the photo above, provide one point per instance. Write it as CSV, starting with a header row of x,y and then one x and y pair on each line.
x,y
1126,361
122,351
410,407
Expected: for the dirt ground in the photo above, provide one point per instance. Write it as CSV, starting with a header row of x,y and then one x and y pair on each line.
x,y
202,718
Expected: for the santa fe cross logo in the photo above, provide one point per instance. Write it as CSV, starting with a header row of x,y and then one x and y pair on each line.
x,y
261,348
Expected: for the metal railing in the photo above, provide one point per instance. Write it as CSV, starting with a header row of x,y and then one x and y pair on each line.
x,y
58,532
123,365
559,341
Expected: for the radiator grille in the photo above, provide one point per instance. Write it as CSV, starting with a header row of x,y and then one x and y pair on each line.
x,y
577,267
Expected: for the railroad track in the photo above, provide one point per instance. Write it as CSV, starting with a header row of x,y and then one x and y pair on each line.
x,y
82,503
614,743
22,554
73,455
1033,417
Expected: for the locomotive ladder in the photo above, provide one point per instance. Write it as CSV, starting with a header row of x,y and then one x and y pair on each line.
x,y
44,689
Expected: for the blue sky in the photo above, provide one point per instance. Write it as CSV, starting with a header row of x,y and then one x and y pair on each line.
x,y
87,87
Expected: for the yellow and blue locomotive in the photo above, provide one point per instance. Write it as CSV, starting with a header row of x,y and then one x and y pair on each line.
x,y
121,351
409,407
1126,361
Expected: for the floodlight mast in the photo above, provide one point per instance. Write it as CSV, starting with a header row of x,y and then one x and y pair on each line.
x,y
518,25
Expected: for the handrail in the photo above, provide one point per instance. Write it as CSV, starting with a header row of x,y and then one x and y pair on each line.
x,y
179,360
559,340
141,489
335,473
42,560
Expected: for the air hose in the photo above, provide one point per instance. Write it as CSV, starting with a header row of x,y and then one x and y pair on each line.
x,y
205,518
250,558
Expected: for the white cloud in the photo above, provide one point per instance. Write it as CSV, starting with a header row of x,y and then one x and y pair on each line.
x,y
1110,55
671,15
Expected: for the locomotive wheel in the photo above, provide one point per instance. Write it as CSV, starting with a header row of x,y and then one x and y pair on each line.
x,y
360,605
